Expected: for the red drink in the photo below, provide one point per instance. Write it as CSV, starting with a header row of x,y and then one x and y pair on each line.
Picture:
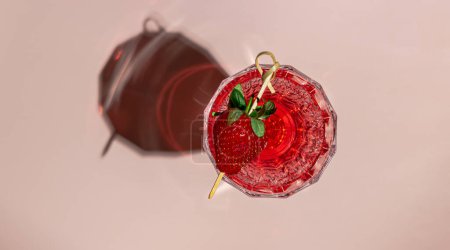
x,y
300,135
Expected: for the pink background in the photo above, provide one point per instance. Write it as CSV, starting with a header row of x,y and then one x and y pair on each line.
x,y
384,65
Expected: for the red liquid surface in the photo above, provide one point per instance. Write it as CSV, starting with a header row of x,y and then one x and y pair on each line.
x,y
295,133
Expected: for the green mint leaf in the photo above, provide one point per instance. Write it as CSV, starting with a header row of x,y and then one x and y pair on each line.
x,y
254,114
234,115
239,88
258,127
261,111
249,104
237,99
267,110
216,113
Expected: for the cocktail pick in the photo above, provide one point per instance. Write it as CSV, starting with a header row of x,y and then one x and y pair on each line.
x,y
266,83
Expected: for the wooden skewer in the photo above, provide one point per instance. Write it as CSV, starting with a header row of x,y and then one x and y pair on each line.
x,y
216,185
266,77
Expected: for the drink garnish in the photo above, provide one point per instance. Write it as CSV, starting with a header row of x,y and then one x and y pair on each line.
x,y
235,145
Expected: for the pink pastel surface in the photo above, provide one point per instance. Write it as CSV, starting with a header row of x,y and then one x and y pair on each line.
x,y
385,68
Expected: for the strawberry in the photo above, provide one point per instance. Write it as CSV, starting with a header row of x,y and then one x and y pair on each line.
x,y
235,144
238,134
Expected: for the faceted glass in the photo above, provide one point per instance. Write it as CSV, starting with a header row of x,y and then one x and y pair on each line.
x,y
300,135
